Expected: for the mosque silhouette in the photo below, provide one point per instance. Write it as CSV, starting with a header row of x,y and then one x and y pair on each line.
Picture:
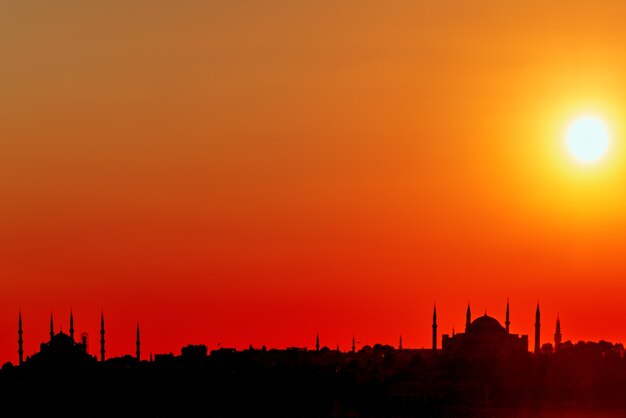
x,y
64,348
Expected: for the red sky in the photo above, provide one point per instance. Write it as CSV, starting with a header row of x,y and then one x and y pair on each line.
x,y
256,172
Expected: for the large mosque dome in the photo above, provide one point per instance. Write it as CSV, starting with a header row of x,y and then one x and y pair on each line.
x,y
485,325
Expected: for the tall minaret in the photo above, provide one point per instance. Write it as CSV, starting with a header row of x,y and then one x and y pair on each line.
x,y
317,342
353,345
138,344
51,327
102,336
468,318
537,329
20,348
435,328
71,325
507,322
400,344
557,334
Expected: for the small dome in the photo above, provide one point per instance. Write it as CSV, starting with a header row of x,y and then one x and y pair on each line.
x,y
486,325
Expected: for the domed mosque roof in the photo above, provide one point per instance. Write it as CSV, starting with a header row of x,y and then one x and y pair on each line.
x,y
62,338
486,325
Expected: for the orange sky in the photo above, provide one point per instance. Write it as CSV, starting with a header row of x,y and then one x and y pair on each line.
x,y
256,172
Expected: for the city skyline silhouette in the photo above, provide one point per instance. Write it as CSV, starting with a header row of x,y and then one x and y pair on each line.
x,y
277,208
484,367
438,341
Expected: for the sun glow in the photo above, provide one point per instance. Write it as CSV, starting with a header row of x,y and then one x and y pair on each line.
x,y
587,139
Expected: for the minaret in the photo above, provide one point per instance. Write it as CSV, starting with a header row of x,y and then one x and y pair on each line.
x,y
71,325
557,334
435,328
353,345
400,344
453,331
51,327
468,318
507,322
20,348
537,329
102,336
317,342
138,344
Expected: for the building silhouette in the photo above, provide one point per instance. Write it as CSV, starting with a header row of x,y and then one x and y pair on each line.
x,y
20,340
507,322
65,349
60,350
484,335
102,351
435,328
537,330
71,324
138,344
51,326
557,334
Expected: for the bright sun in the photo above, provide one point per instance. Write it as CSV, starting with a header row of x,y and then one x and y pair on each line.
x,y
587,139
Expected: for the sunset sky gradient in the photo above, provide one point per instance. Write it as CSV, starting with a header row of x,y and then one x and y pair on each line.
x,y
255,172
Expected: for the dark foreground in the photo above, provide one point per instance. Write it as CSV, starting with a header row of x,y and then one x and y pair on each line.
x,y
587,380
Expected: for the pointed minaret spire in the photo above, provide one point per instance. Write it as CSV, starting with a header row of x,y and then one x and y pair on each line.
x,y
468,317
400,344
71,325
537,330
435,328
51,326
557,334
102,336
453,330
353,345
138,344
507,322
20,348
317,342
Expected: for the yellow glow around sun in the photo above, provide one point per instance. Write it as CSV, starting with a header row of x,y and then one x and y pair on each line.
x,y
587,139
